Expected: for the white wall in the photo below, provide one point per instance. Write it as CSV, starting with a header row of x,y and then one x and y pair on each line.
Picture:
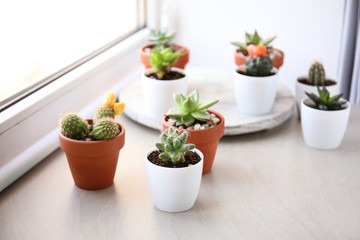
x,y
306,30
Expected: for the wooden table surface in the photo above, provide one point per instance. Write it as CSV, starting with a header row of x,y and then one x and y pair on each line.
x,y
265,185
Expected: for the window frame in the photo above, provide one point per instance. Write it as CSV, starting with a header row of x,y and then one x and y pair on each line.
x,y
37,114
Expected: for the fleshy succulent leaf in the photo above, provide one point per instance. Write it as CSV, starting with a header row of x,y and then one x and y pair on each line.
x,y
206,104
324,102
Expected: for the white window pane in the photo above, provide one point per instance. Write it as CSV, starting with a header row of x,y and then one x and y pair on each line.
x,y
40,37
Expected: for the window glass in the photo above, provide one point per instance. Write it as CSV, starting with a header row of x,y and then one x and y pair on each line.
x,y
41,37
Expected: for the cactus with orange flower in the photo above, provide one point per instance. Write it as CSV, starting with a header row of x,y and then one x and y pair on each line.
x,y
258,64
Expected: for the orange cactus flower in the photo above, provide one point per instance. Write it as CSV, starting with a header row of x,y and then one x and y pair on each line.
x,y
260,50
251,49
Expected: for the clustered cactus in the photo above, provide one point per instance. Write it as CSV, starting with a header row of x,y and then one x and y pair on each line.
x,y
161,38
317,74
254,39
190,109
173,147
73,126
324,101
162,60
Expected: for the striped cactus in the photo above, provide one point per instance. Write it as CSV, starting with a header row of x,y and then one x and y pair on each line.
x,y
317,74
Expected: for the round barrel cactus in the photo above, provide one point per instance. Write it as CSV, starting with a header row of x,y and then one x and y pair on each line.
x,y
317,74
259,66
73,126
105,128
103,112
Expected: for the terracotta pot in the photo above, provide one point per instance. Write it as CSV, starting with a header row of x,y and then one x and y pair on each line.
x,y
278,61
180,63
93,163
206,140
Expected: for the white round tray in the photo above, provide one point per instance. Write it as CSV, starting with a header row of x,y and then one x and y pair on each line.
x,y
214,86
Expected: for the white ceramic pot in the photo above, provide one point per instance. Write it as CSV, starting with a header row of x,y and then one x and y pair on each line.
x,y
158,94
174,189
301,88
323,129
255,95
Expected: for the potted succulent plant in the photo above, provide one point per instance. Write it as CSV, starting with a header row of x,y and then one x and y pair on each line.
x,y
161,81
316,77
92,146
205,127
163,39
174,172
241,53
255,82
324,119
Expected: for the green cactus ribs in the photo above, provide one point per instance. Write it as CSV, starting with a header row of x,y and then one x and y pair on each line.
x,y
259,66
317,74
105,128
74,126
103,112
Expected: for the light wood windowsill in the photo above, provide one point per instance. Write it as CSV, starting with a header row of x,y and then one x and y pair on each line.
x,y
265,185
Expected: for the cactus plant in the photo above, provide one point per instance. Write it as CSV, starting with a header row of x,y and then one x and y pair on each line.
x,y
324,102
161,38
317,74
190,109
258,64
173,147
103,112
73,126
161,61
105,128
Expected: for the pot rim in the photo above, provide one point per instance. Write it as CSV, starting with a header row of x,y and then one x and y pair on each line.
x,y
347,107
222,122
151,70
120,135
187,50
306,77
177,169
274,70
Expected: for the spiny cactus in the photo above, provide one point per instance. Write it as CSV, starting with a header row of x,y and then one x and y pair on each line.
x,y
324,101
317,74
161,38
190,109
259,66
173,147
105,128
103,112
161,60
73,126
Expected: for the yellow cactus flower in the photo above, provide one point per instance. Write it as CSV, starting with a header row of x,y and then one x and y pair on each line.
x,y
118,108
109,99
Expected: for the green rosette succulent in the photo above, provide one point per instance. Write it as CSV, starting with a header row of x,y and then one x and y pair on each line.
x,y
190,109
161,38
173,147
323,101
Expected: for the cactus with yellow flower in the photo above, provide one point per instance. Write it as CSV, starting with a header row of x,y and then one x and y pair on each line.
x,y
104,125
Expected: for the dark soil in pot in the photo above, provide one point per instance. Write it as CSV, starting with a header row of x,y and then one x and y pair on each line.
x,y
306,81
242,70
172,75
191,158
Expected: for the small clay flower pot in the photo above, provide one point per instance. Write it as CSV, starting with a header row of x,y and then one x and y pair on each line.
x,y
180,63
206,140
93,163
278,60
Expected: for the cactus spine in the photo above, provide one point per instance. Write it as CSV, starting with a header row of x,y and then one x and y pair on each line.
x,y
317,74
103,112
259,66
73,126
105,128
